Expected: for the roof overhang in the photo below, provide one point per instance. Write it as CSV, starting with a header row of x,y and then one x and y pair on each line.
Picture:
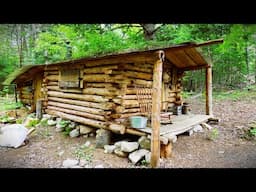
x,y
185,56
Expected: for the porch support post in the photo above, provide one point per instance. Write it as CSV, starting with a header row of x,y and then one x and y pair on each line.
x,y
156,109
208,91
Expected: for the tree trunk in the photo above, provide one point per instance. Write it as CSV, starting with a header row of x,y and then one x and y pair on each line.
x,y
148,31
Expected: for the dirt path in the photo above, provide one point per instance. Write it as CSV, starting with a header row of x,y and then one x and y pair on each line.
x,y
48,149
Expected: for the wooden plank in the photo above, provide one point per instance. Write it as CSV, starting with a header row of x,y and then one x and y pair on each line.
x,y
180,124
184,58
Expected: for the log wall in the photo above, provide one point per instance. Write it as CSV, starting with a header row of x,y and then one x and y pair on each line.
x,y
107,97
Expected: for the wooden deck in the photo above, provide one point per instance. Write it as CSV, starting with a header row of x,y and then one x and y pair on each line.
x,y
180,124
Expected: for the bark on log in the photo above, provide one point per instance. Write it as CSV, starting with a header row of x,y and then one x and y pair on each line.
x,y
125,115
97,78
56,88
93,98
137,68
52,77
138,75
142,82
105,105
73,112
79,108
135,132
101,69
51,73
117,128
93,123
101,91
99,85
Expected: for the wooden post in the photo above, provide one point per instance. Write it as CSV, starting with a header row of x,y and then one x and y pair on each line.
x,y
208,92
39,109
15,93
156,109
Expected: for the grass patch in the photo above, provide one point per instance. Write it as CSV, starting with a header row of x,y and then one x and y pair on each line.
x,y
238,94
85,152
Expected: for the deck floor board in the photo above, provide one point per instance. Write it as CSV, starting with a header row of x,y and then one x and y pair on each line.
x,y
180,124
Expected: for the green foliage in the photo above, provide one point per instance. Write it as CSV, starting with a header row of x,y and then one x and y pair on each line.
x,y
233,61
213,134
44,122
33,122
6,119
245,94
19,121
67,130
84,152
253,131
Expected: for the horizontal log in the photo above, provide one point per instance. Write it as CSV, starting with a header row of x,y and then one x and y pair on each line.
x,y
99,85
93,98
51,73
117,128
125,115
137,68
133,91
93,123
138,75
134,132
104,106
122,109
52,77
69,90
100,69
142,82
135,97
101,91
79,113
79,108
97,78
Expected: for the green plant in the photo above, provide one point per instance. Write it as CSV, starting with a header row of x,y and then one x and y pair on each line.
x,y
33,122
144,163
253,131
44,123
213,135
6,119
19,121
67,130
84,152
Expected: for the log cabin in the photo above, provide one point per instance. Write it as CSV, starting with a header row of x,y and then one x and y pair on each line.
x,y
105,91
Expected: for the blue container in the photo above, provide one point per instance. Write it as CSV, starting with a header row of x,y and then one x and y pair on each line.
x,y
138,122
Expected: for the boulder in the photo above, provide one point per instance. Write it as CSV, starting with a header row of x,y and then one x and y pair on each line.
x,y
129,146
136,156
69,163
145,143
74,133
13,135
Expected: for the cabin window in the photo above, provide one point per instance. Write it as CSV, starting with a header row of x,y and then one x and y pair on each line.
x,y
70,78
